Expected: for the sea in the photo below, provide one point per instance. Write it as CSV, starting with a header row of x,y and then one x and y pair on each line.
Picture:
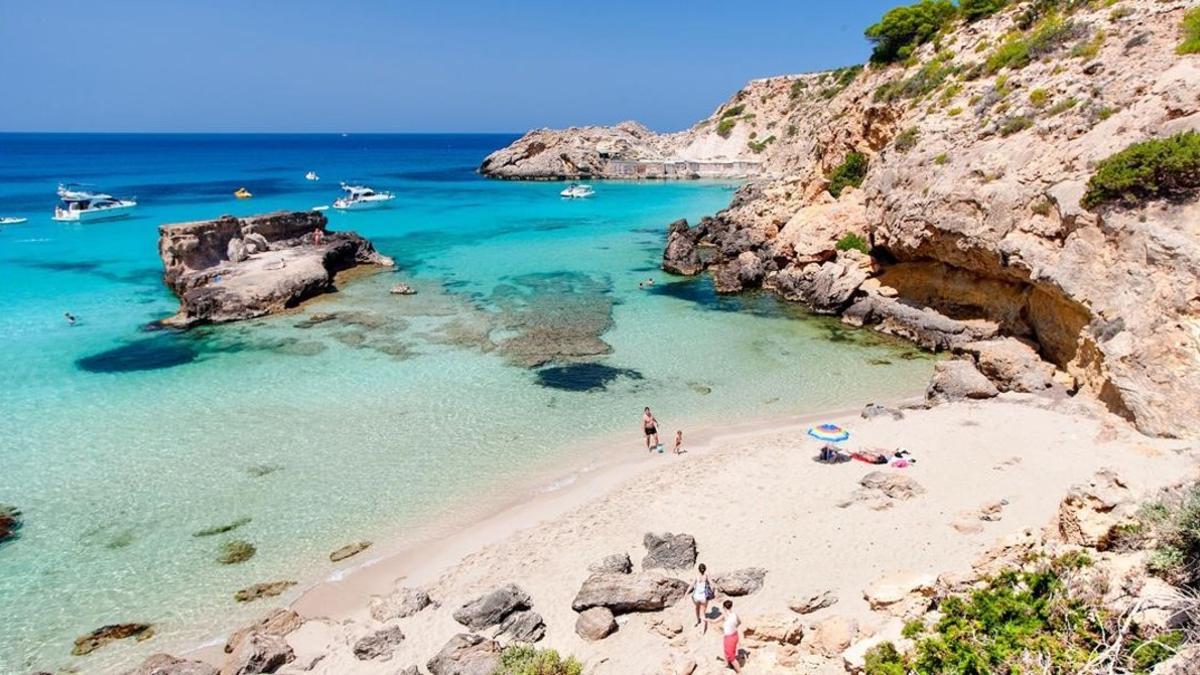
x,y
540,329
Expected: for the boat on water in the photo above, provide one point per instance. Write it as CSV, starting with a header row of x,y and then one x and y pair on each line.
x,y
76,205
577,191
361,197
12,221
311,175
242,193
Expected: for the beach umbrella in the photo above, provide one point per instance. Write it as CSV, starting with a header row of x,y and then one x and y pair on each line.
x,y
829,432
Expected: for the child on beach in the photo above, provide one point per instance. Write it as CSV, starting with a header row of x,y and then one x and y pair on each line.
x,y
678,442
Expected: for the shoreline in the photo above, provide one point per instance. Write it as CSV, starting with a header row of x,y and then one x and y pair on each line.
x,y
1030,450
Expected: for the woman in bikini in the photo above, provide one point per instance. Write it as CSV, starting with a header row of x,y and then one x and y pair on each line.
x,y
701,594
650,428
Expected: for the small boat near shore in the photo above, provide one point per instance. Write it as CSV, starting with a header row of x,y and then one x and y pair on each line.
x,y
76,205
242,193
577,191
12,221
361,197
311,175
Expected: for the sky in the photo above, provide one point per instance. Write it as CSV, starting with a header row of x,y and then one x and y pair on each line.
x,y
403,66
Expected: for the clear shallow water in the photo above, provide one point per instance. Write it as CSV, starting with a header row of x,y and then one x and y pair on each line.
x,y
362,415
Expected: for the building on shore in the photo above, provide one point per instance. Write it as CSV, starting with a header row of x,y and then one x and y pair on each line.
x,y
682,168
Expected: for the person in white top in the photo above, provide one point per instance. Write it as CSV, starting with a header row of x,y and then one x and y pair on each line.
x,y
729,626
702,592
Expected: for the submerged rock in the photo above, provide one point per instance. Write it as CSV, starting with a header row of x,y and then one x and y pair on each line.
x,y
491,608
222,271
268,589
221,529
466,654
403,289
86,644
349,550
236,551
165,664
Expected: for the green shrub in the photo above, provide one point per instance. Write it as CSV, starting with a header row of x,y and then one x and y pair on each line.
x,y
1019,50
1191,32
1015,124
927,79
1173,522
1062,106
798,88
1144,654
850,172
725,126
913,628
1105,113
907,140
1042,207
1039,98
974,10
758,146
1159,168
733,111
791,130
1089,48
903,29
954,112
527,660
850,240
883,659
941,159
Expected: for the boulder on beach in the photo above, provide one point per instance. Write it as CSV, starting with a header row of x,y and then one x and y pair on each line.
x,y
399,604
267,589
280,622
258,653
832,636
623,593
617,562
86,644
523,626
772,628
349,550
807,604
891,485
378,645
901,593
958,379
466,654
595,623
740,582
669,551
491,608
165,664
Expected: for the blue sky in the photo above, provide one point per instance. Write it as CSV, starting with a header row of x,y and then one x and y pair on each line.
x,y
372,65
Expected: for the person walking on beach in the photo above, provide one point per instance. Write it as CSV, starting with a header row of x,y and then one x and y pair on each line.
x,y
678,442
730,623
702,592
650,428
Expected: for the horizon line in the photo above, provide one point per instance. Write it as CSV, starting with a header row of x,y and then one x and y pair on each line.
x,y
272,133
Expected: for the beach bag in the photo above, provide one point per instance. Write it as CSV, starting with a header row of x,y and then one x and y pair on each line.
x,y
709,593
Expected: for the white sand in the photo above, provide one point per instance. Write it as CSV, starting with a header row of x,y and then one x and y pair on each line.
x,y
750,499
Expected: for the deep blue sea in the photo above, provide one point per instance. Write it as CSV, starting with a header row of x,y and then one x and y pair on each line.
x,y
120,443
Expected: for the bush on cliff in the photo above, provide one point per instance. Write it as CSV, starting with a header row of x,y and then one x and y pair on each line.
x,y
850,172
974,10
903,29
852,241
526,660
1044,617
1156,169
1173,523
1191,32
725,126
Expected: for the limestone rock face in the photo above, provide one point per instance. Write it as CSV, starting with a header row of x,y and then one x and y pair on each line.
x,y
596,623
617,562
1091,511
491,608
466,654
165,664
669,551
807,604
832,636
623,593
378,645
827,287
783,630
956,379
1011,365
230,269
523,626
901,593
258,653
280,622
681,255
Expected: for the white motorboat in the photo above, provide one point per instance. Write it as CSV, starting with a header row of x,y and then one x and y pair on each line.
x,y
360,197
311,175
75,205
577,191
12,221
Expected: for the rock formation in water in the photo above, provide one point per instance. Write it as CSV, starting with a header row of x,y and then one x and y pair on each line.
x,y
963,171
230,269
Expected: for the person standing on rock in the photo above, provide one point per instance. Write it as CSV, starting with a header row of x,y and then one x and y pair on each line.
x,y
730,623
702,592
650,428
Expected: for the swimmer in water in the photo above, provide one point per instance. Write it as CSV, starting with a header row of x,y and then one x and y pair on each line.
x,y
70,318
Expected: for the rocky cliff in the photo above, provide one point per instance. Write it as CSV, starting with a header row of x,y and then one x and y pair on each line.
x,y
971,159
230,269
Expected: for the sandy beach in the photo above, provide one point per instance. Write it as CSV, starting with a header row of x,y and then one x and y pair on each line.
x,y
751,498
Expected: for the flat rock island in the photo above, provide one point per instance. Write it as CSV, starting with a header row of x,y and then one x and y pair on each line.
x,y
229,269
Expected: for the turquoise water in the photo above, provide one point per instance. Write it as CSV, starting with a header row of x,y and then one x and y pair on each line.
x,y
363,415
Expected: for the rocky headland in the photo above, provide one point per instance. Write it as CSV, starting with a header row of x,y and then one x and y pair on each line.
x,y
229,269
949,197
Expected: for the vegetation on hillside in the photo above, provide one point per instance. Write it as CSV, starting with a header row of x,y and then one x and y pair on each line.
x,y
1173,525
1191,32
852,240
903,29
850,172
974,10
1162,168
526,660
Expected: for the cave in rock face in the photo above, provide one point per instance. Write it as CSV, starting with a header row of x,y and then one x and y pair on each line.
x,y
1055,323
